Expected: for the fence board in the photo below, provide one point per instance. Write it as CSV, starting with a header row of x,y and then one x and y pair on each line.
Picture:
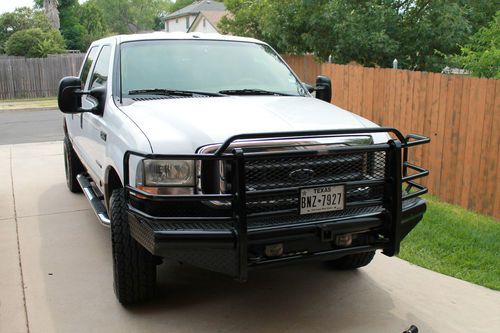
x,y
486,147
495,143
460,114
367,100
451,136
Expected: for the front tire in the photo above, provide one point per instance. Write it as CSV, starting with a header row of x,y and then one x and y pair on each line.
x,y
134,268
352,261
73,167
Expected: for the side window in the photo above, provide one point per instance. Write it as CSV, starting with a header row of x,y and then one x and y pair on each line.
x,y
88,63
101,69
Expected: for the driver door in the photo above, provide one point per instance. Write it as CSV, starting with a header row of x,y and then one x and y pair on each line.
x,y
94,134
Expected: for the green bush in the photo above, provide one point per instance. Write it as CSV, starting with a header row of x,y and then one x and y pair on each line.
x,y
35,43
482,55
21,19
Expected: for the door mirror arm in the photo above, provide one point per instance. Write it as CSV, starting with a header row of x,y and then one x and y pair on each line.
x,y
98,97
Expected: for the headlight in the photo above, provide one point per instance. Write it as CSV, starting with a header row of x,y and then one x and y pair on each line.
x,y
156,173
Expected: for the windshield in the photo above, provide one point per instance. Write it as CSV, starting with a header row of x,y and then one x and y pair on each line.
x,y
204,66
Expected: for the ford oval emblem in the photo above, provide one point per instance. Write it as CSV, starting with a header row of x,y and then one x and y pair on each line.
x,y
301,175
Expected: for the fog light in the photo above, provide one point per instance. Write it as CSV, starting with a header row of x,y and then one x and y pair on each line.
x,y
274,250
343,240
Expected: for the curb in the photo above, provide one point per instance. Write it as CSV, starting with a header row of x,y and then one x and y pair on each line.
x,y
38,108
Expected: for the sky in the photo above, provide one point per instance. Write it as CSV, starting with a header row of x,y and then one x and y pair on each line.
x,y
10,5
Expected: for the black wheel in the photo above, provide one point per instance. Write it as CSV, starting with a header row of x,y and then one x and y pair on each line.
x,y
352,261
134,268
73,167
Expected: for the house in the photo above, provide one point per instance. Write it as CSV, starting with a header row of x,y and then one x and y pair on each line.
x,y
200,16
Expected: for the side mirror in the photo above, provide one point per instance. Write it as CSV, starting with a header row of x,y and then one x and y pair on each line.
x,y
324,88
69,97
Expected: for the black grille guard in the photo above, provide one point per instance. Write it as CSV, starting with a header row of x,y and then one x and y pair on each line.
x,y
400,172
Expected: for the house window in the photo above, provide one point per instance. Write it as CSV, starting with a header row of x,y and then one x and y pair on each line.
x,y
187,22
176,20
204,23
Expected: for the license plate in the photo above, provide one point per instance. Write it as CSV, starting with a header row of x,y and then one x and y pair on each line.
x,y
322,199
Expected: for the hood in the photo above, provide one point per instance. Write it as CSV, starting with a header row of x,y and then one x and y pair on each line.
x,y
181,125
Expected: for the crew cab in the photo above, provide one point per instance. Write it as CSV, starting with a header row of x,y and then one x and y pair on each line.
x,y
209,150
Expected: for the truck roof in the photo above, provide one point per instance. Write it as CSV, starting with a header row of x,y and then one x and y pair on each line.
x,y
161,35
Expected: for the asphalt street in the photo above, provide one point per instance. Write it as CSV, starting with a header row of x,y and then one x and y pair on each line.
x,y
56,276
30,126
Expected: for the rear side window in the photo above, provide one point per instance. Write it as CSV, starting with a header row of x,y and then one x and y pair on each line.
x,y
101,70
88,63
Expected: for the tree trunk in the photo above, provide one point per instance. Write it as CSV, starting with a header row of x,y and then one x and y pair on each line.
x,y
52,13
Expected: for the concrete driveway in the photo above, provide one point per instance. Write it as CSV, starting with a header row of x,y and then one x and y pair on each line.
x,y
56,276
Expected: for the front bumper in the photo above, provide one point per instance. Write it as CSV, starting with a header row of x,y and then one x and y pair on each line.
x,y
228,243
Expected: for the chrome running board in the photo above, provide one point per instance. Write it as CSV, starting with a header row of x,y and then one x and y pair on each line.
x,y
93,198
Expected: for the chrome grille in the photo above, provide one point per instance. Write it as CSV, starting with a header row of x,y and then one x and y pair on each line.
x,y
327,170
300,171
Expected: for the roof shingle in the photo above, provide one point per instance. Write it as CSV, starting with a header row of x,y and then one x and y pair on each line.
x,y
198,6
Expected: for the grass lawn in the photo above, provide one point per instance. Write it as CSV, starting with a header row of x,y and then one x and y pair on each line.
x,y
27,99
13,104
456,242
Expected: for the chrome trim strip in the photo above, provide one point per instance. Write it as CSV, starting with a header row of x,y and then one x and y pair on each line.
x,y
286,144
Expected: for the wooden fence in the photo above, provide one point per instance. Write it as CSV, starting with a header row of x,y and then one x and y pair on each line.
x,y
460,114
35,77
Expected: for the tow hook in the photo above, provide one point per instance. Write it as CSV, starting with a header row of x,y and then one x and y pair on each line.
x,y
274,250
343,240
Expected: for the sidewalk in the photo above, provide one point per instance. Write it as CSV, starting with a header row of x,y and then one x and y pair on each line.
x,y
56,276
28,104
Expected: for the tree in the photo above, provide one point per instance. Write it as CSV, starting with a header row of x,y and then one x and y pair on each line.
x,y
81,24
50,7
92,21
129,16
429,30
482,54
419,33
71,29
248,19
179,4
363,32
348,31
20,19
34,43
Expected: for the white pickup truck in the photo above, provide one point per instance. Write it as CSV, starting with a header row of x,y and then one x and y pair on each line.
x,y
209,150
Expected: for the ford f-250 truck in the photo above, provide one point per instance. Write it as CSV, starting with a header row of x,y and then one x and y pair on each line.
x,y
209,150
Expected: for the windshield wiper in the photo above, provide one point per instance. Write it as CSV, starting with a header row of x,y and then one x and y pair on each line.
x,y
252,92
171,92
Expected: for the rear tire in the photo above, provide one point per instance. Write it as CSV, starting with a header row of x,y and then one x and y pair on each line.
x,y
352,261
73,167
134,268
